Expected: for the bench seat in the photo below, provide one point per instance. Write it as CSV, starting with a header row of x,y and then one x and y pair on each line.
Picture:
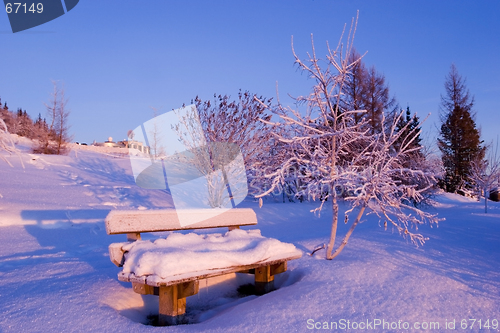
x,y
278,265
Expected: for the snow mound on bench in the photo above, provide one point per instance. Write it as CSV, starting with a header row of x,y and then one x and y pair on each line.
x,y
185,253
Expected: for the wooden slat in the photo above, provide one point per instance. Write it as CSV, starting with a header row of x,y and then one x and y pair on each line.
x,y
181,278
275,269
124,277
144,289
116,253
137,279
278,268
132,221
188,288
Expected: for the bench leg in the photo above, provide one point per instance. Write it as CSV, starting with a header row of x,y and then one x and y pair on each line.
x,y
173,302
171,306
264,280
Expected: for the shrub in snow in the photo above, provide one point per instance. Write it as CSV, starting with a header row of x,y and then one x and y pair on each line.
x,y
6,143
338,157
485,173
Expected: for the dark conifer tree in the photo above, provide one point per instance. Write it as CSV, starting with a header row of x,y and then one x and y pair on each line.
x,y
459,141
413,125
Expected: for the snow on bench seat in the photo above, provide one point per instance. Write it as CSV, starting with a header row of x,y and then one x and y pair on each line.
x,y
155,281
180,258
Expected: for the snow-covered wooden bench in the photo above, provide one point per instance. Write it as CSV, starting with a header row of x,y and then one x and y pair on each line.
x,y
171,268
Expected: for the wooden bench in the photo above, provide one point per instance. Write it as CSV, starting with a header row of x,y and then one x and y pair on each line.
x,y
173,290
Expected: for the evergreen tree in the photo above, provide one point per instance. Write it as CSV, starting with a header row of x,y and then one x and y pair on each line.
x,y
459,140
24,124
413,125
409,126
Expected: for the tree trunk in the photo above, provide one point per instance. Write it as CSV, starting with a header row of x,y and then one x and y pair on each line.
x,y
346,238
485,200
333,233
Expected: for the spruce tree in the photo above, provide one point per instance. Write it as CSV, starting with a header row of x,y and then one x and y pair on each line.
x,y
459,141
413,126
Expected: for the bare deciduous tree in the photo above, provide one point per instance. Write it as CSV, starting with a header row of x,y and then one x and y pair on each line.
x,y
55,140
340,158
220,163
237,121
155,136
377,100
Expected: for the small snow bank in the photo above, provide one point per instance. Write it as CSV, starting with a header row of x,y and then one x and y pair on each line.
x,y
445,197
181,254
22,144
110,151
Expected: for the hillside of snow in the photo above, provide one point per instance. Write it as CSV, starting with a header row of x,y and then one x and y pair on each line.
x,y
56,276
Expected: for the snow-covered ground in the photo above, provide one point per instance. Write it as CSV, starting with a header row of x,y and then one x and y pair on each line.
x,y
56,276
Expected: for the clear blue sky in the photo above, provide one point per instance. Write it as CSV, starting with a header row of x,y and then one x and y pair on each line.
x,y
119,58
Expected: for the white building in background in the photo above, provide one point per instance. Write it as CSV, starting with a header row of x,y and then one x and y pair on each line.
x,y
131,144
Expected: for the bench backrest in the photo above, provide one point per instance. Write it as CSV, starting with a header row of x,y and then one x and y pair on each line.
x,y
135,222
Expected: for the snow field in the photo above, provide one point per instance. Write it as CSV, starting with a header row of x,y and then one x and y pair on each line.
x,y
55,273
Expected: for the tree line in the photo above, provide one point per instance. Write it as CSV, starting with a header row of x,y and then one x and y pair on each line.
x,y
246,121
470,164
51,133
348,139
462,168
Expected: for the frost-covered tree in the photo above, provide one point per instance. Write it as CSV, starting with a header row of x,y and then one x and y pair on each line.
x,y
220,163
7,144
8,118
413,123
237,121
24,124
40,128
407,124
486,172
322,140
